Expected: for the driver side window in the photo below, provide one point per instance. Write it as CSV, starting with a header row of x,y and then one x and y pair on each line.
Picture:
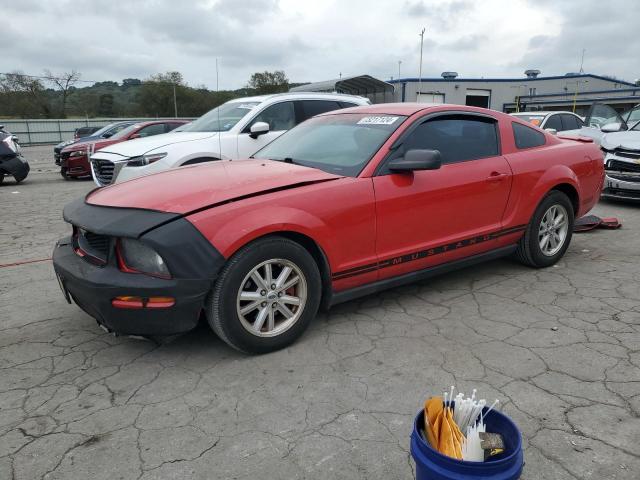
x,y
280,116
458,138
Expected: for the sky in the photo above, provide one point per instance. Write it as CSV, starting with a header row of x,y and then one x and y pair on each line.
x,y
318,40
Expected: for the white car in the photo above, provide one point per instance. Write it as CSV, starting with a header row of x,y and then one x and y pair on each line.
x,y
234,130
557,121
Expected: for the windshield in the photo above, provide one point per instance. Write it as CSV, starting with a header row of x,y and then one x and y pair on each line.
x,y
102,130
534,119
125,132
222,118
600,115
632,116
342,144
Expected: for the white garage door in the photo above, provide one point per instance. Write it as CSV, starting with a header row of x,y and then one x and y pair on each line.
x,y
430,97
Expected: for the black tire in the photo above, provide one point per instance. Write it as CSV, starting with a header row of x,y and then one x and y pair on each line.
x,y
1,177
222,303
64,174
529,251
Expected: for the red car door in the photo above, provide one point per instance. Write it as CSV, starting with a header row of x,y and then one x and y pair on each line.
x,y
429,217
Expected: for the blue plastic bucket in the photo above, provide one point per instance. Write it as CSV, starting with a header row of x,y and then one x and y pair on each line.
x,y
432,465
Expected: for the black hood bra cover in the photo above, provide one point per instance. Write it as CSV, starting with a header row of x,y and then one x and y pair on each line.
x,y
115,221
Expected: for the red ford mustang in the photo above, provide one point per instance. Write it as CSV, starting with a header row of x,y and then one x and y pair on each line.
x,y
74,159
344,205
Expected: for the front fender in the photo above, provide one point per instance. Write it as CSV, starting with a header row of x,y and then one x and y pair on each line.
x,y
233,234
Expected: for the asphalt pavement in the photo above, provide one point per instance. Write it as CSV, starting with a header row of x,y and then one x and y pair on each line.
x,y
560,349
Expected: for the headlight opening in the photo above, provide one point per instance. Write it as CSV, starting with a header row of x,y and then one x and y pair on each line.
x,y
134,256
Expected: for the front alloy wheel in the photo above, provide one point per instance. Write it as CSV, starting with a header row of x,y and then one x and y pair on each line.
x,y
272,297
265,296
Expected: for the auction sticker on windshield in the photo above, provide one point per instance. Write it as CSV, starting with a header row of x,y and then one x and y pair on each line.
x,y
377,120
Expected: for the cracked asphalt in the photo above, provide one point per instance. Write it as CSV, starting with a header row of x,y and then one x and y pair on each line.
x,y
560,349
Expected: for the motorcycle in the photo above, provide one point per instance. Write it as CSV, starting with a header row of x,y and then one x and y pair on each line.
x,y
11,160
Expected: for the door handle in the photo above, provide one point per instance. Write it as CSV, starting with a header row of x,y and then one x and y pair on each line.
x,y
497,176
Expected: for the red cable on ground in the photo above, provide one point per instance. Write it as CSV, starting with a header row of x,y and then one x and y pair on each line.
x,y
16,264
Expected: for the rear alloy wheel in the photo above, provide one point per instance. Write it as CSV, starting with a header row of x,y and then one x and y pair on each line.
x,y
549,232
266,296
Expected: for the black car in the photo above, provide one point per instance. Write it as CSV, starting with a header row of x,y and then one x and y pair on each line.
x,y
105,132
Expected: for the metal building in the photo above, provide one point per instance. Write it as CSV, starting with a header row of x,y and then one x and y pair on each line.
x,y
531,92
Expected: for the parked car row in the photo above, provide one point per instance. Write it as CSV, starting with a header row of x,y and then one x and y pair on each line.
x,y
345,204
74,158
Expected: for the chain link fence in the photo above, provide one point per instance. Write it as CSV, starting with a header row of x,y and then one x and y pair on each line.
x,y
42,132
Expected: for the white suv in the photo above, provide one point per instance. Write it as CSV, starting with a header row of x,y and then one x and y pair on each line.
x,y
234,130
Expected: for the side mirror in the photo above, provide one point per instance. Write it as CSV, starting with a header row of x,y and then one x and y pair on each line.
x,y
611,127
552,131
259,128
107,135
134,135
417,160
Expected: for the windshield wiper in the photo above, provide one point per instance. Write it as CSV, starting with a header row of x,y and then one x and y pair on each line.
x,y
293,161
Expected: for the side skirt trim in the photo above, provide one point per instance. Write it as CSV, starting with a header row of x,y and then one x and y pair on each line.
x,y
410,257
368,289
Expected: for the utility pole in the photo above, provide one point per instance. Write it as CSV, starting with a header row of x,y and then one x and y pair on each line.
x,y
399,63
420,71
175,103
582,60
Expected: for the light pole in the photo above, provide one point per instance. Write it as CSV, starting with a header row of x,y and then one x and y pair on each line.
x,y
420,70
175,103
399,63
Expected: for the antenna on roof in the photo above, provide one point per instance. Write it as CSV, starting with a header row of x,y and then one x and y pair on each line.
x,y
218,108
582,60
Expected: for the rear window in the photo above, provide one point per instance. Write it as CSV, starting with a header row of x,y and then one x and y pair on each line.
x,y
526,137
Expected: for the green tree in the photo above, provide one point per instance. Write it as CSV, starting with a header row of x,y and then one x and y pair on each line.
x,y
269,82
23,96
157,94
105,108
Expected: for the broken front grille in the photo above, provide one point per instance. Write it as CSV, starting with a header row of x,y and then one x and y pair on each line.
x,y
92,246
622,166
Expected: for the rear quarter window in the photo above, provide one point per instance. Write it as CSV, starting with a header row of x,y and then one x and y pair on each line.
x,y
526,137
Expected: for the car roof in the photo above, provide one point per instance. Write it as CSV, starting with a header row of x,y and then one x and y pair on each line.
x,y
409,108
542,113
298,95
153,122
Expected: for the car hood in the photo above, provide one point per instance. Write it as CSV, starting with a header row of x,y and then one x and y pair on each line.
x,y
623,140
97,144
186,189
140,146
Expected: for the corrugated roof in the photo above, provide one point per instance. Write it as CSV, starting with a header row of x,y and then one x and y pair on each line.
x,y
355,85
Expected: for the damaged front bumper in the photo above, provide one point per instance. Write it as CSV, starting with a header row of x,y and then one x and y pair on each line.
x,y
622,176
